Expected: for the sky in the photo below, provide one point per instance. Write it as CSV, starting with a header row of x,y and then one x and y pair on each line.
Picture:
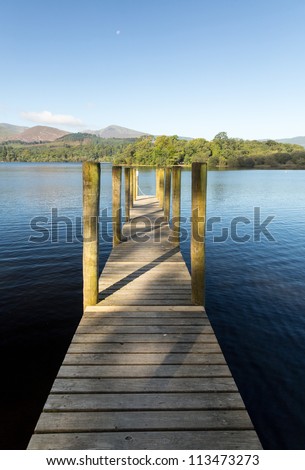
x,y
187,67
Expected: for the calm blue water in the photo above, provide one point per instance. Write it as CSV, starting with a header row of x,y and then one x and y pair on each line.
x,y
255,289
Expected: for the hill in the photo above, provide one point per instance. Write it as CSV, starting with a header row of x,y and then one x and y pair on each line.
x,y
77,137
9,130
118,132
293,140
38,134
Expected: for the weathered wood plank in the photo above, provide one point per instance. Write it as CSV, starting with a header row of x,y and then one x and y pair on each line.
x,y
152,272
126,266
143,338
149,287
136,299
142,302
144,348
149,385
167,315
145,271
146,358
148,293
132,322
141,401
143,420
155,440
145,283
137,371
149,329
160,308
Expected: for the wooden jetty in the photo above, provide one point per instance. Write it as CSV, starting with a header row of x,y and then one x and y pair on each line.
x,y
144,369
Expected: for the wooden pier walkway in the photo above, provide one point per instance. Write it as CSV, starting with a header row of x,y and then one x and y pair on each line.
x,y
144,369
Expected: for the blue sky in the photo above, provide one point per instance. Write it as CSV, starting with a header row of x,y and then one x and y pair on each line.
x,y
186,67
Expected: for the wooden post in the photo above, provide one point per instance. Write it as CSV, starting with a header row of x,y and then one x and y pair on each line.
x,y
137,182
116,204
161,187
157,182
167,194
127,193
135,188
176,174
91,206
199,184
131,187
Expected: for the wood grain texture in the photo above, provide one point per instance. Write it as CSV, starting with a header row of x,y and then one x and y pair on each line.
x,y
142,401
153,440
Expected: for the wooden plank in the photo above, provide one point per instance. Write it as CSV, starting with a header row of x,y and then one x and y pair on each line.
x,y
153,318
131,266
164,322
148,371
170,315
157,358
125,267
141,401
147,269
154,440
122,264
145,348
161,308
173,288
143,420
143,302
134,288
148,330
139,281
154,277
149,385
143,338
143,298
138,294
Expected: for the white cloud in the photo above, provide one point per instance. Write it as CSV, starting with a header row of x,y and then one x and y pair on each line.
x,y
45,117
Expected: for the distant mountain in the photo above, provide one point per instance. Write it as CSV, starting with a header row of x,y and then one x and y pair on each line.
x,y
9,130
118,132
293,140
38,134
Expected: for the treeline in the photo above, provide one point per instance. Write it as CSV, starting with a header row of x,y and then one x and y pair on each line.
x,y
221,152
95,149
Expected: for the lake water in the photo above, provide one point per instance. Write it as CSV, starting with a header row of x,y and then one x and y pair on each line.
x,y
255,294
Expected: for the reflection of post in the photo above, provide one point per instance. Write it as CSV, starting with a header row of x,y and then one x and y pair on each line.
x,y
167,194
91,198
127,193
199,184
116,204
161,187
176,172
